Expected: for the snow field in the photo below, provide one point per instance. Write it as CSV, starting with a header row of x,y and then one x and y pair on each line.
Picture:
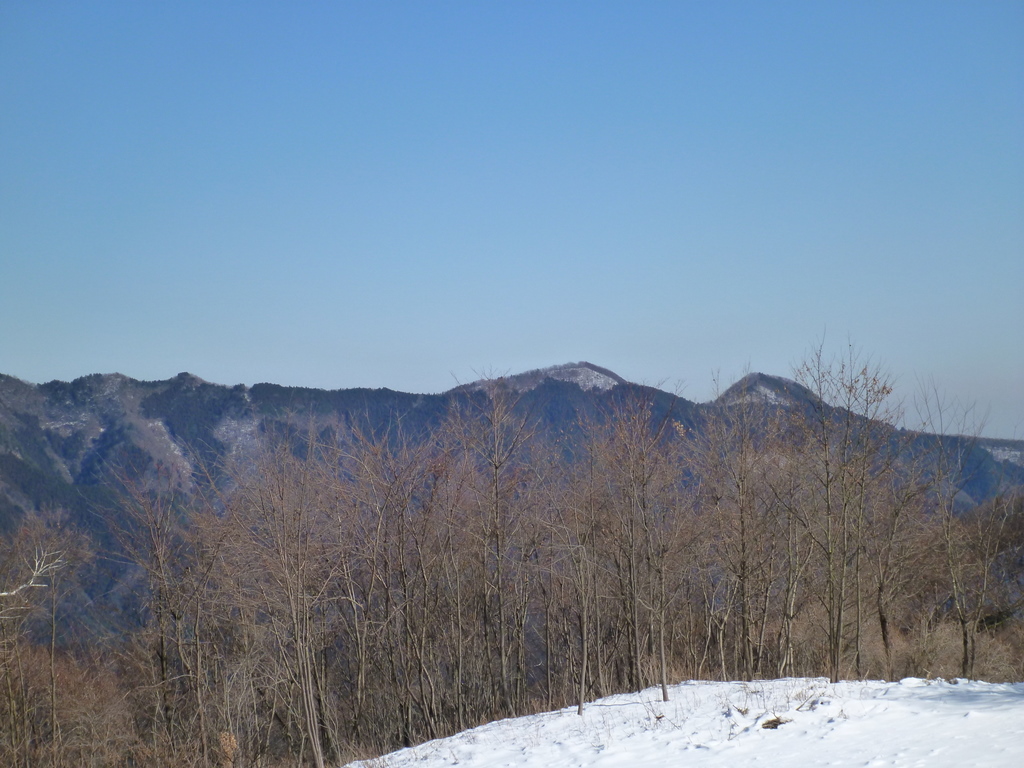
x,y
933,723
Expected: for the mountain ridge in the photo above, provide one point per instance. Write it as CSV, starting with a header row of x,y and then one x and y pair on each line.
x,y
58,438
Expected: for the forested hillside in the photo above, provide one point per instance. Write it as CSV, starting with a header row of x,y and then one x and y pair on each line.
x,y
195,574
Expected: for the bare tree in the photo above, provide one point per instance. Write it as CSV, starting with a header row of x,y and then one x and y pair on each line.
x,y
639,476
975,540
844,445
29,733
732,457
281,539
494,431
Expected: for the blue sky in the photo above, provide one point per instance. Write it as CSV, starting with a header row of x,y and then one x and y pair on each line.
x,y
407,194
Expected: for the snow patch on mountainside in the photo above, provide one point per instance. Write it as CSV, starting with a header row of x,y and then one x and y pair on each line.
x,y
240,435
1005,450
759,394
583,377
760,389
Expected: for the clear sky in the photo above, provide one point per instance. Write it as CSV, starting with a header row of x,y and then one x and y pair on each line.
x,y
405,194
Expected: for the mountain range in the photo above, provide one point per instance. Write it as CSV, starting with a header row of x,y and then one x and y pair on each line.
x,y
59,440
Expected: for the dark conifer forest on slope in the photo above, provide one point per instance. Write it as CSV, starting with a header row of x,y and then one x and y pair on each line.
x,y
201,575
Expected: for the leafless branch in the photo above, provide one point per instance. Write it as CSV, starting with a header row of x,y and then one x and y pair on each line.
x,y
44,564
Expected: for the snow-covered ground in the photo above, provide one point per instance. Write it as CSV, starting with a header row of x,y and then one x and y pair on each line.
x,y
914,722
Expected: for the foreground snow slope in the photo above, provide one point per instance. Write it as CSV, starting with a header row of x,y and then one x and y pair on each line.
x,y
914,722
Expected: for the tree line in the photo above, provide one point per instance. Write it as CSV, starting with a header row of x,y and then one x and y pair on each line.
x,y
340,593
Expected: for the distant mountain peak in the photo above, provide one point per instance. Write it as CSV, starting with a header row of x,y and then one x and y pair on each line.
x,y
186,379
762,388
586,376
